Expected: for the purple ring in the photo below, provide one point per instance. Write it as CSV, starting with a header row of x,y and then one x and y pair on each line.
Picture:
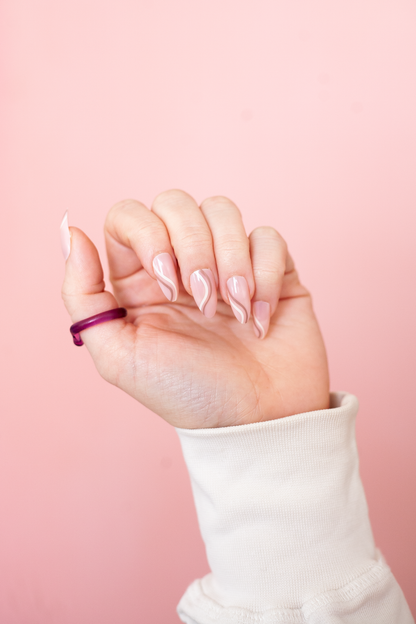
x,y
109,315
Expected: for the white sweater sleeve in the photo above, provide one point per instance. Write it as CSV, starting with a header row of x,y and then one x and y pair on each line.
x,y
284,518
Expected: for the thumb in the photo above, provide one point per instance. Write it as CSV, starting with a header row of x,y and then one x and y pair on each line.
x,y
83,290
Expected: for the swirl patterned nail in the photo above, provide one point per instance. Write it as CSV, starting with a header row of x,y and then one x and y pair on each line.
x,y
239,297
204,291
166,275
261,318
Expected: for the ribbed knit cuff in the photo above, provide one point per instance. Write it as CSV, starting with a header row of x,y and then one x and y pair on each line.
x,y
281,510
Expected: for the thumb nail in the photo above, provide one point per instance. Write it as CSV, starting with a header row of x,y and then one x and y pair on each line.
x,y
65,237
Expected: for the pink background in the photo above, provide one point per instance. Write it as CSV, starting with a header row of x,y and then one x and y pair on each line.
x,y
303,113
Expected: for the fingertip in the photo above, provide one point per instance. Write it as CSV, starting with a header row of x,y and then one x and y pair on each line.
x,y
239,297
204,291
261,318
165,273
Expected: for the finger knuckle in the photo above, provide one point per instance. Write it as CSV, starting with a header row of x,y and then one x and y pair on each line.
x,y
127,223
228,244
146,231
116,217
269,274
64,296
121,207
170,199
218,203
70,301
195,236
267,232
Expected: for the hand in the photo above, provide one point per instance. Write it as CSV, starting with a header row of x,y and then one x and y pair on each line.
x,y
198,370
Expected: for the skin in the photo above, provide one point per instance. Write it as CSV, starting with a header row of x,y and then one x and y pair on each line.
x,y
192,371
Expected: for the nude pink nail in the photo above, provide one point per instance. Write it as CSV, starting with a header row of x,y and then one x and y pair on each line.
x,y
65,237
239,297
166,275
204,290
261,318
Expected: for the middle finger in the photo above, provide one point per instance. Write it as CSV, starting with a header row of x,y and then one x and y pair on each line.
x,y
191,240
232,254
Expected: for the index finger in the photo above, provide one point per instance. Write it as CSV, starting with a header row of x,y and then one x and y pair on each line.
x,y
137,239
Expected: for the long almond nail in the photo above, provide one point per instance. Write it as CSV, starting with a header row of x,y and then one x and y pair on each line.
x,y
65,237
166,275
204,290
239,297
261,318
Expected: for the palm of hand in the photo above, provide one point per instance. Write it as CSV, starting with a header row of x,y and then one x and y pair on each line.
x,y
197,372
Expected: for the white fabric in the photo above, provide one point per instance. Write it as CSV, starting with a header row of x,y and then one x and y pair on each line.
x,y
284,518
